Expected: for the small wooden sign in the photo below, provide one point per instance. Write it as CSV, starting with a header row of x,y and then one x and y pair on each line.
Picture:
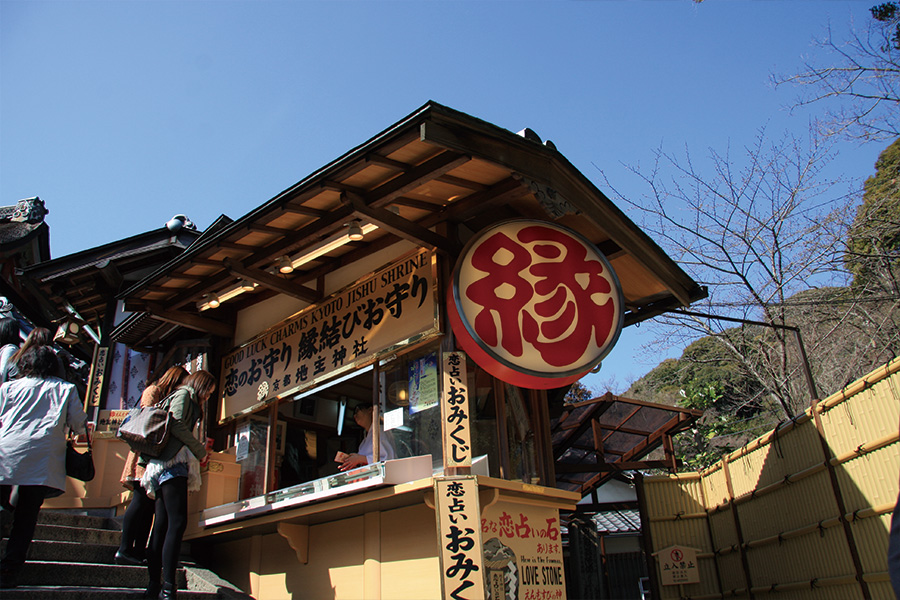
x,y
459,531
678,565
455,416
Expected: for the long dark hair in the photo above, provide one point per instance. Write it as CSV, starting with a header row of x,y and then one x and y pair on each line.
x,y
171,379
9,331
38,361
39,336
202,382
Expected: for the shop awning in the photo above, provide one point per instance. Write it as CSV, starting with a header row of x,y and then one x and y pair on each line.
x,y
594,439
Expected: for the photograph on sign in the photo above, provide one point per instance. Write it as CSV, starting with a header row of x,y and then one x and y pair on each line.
x,y
423,383
522,552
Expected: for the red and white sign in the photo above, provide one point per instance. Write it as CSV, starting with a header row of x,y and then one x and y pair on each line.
x,y
535,304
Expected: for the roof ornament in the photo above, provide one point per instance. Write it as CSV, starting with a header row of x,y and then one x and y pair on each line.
x,y
29,210
179,222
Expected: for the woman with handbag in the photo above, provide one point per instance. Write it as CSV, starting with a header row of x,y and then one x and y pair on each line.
x,y
35,411
169,477
139,514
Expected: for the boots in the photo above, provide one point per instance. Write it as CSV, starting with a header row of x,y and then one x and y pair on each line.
x,y
169,591
152,590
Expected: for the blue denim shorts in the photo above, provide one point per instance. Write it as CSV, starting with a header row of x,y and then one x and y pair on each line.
x,y
176,470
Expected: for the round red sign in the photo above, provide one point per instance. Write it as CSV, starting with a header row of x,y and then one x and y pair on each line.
x,y
535,304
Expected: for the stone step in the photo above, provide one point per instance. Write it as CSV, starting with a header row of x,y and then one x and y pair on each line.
x,y
74,519
64,533
50,592
45,550
39,572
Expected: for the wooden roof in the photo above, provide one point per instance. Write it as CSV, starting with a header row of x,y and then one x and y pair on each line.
x,y
434,178
89,280
595,439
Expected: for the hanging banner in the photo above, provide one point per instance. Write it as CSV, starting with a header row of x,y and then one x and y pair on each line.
x,y
523,557
98,374
391,307
459,532
535,304
455,416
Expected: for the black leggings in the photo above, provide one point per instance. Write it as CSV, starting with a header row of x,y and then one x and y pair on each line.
x,y
136,524
168,529
24,523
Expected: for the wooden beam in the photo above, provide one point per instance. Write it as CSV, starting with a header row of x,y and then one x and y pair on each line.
x,y
418,204
295,207
235,246
190,321
390,163
269,229
410,180
399,226
188,276
463,183
563,468
285,286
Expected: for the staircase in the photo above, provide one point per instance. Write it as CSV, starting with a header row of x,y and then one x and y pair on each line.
x,y
71,558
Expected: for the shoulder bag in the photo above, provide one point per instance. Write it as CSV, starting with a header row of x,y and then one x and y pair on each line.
x,y
147,430
79,466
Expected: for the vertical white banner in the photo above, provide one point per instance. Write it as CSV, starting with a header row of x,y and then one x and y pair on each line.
x,y
459,536
455,416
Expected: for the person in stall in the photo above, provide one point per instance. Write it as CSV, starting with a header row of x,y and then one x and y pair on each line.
x,y
363,416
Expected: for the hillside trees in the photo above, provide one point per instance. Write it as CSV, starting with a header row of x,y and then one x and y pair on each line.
x,y
848,329
756,229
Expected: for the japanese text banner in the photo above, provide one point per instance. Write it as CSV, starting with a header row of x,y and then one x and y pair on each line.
x,y
459,532
393,306
455,416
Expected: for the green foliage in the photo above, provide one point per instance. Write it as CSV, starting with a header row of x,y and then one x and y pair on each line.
x,y
578,392
874,237
889,12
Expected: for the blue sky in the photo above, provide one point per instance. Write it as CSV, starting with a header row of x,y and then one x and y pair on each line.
x,y
122,114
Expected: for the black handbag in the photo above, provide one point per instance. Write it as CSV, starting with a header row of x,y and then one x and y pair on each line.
x,y
79,465
146,430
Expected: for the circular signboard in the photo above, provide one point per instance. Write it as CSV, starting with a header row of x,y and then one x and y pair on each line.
x,y
535,304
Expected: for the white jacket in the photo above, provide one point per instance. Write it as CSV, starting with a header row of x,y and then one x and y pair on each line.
x,y
34,415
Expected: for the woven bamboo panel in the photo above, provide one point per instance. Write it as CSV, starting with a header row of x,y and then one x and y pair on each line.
x,y
871,414
674,495
872,541
823,555
882,590
871,479
723,531
783,456
677,516
787,506
842,592
715,487
731,572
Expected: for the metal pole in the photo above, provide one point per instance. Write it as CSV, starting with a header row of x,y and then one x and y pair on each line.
x,y
807,372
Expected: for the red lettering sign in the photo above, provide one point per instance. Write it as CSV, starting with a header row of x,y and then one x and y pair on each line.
x,y
535,304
